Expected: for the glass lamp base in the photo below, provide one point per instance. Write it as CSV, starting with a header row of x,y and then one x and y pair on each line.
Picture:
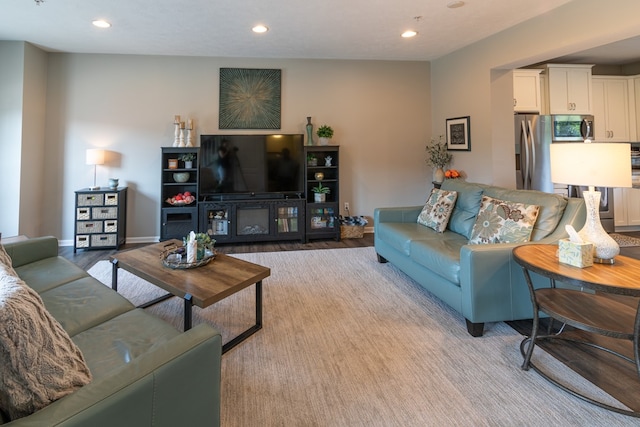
x,y
605,248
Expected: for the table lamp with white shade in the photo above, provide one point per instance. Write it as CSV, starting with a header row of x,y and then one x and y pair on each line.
x,y
593,164
95,156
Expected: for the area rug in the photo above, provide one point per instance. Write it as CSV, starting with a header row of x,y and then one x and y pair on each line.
x,y
351,342
625,241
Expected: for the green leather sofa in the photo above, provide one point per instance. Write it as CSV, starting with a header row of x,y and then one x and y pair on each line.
x,y
145,372
482,282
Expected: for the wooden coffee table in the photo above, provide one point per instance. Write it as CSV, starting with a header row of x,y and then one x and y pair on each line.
x,y
201,286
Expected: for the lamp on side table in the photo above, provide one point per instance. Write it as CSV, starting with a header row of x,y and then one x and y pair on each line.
x,y
593,164
95,156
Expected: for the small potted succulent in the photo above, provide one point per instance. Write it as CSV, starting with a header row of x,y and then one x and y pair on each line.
x,y
188,159
320,193
325,133
312,160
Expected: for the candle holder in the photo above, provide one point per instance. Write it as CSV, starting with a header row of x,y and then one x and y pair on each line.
x,y
181,137
176,140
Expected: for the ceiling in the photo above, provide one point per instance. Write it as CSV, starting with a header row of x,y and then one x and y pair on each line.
x,y
623,52
322,29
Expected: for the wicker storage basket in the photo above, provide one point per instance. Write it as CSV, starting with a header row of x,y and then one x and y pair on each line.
x,y
351,231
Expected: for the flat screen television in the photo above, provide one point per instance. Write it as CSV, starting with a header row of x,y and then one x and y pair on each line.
x,y
238,166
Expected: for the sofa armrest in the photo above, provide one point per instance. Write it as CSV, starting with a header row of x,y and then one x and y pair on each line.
x,y
31,250
178,383
399,214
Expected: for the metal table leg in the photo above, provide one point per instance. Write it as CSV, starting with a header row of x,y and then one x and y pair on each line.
x,y
252,330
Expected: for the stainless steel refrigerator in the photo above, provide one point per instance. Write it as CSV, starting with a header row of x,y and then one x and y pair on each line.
x,y
533,136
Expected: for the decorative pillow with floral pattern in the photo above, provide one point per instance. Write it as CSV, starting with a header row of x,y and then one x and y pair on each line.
x,y
502,221
437,210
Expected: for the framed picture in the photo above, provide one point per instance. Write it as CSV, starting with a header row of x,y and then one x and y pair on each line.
x,y
249,98
458,134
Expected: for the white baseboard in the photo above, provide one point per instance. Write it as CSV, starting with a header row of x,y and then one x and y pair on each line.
x,y
152,239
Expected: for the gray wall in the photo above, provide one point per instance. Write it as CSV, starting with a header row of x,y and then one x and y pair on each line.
x,y
380,112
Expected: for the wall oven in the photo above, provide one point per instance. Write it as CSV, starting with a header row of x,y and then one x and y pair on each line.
x,y
635,164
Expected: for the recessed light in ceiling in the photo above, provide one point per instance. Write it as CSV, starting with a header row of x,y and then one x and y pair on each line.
x,y
409,33
455,4
260,29
101,23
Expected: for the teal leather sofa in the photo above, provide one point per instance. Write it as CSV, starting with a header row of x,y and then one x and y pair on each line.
x,y
145,372
482,282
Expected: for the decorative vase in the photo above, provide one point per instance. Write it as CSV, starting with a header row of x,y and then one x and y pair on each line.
x,y
309,132
438,175
188,164
113,183
319,197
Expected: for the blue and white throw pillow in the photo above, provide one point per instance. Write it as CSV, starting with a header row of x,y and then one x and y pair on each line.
x,y
502,221
437,210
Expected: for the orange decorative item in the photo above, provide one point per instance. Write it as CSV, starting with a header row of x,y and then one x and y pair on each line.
x,y
452,174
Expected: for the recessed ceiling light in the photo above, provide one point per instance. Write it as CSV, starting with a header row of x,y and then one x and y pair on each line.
x,y
455,4
409,33
260,29
101,23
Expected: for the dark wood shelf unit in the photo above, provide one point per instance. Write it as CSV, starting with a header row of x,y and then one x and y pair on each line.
x,y
322,218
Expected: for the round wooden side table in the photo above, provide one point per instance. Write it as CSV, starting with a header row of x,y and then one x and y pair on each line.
x,y
586,310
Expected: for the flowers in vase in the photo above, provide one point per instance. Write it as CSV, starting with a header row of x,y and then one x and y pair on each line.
x,y
438,156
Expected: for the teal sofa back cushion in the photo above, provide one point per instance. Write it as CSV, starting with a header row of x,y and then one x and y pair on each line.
x,y
551,207
467,205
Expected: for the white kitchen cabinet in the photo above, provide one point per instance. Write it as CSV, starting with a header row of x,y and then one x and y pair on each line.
x,y
626,202
569,89
526,91
611,108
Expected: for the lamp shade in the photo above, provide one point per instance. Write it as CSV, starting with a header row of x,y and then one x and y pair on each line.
x,y
95,156
594,164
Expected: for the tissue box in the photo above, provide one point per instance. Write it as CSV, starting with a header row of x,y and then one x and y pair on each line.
x,y
575,254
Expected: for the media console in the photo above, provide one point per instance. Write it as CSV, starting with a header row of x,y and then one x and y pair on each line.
x,y
251,217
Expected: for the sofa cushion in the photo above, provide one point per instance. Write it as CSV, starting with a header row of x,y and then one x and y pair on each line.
x,y
83,304
49,273
552,207
502,221
398,235
38,361
467,205
437,210
115,343
440,255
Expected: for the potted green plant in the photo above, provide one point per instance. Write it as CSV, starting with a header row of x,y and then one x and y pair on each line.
x,y
312,160
188,159
320,193
438,158
325,133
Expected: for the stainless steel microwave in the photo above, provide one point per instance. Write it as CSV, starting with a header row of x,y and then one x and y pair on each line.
x,y
572,127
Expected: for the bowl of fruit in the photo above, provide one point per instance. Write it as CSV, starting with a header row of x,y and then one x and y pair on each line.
x,y
181,199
